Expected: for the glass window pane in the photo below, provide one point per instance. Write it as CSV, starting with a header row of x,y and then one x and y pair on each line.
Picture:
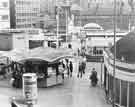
x,y
124,93
117,90
132,94
5,17
110,86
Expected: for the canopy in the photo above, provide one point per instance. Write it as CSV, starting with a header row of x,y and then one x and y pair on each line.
x,y
41,54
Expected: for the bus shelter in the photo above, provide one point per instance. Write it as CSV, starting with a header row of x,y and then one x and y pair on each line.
x,y
45,62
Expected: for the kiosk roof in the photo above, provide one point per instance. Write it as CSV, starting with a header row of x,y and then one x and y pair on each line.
x,y
41,54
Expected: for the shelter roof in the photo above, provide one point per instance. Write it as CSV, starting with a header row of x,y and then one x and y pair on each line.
x,y
42,54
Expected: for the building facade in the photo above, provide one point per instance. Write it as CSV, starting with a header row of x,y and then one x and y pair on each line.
x,y
24,13
101,12
47,7
4,14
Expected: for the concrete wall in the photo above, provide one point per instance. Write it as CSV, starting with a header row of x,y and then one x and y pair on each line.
x,y
20,41
5,42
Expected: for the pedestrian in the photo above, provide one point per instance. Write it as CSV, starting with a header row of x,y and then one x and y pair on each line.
x,y
71,68
63,65
107,95
67,67
80,71
62,69
93,77
83,67
78,51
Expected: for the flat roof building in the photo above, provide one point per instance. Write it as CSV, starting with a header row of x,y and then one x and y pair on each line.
x,y
14,40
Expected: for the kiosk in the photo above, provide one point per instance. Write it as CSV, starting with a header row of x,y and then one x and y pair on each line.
x,y
45,62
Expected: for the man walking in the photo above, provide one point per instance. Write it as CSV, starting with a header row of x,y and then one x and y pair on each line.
x,y
71,68
80,71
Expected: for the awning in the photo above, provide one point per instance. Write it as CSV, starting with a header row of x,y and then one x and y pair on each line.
x,y
42,54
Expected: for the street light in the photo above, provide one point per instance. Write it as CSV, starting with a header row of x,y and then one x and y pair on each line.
x,y
114,58
57,19
66,23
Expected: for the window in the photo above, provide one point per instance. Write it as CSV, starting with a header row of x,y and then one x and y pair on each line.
x,y
5,4
4,17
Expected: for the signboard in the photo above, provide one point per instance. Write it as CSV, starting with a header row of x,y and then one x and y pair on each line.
x,y
30,88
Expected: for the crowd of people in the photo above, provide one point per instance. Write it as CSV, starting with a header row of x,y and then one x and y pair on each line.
x,y
82,65
81,70
68,66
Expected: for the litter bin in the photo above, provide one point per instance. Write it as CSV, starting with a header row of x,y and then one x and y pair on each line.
x,y
30,88
29,98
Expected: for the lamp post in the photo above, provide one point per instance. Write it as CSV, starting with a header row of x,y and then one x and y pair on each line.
x,y
57,18
114,58
66,23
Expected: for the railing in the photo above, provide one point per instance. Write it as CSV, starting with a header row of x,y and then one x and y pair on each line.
x,y
119,63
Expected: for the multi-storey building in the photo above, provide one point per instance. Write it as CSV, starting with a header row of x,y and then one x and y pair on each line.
x,y
48,7
23,13
4,14
102,12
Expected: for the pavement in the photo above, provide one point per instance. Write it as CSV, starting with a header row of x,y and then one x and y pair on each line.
x,y
75,92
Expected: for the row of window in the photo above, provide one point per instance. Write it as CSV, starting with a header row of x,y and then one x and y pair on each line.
x,y
26,14
4,4
27,8
92,17
4,17
27,3
100,17
23,2
24,26
24,20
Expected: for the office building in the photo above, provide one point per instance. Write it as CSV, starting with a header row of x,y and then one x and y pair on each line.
x,y
101,12
24,13
47,7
